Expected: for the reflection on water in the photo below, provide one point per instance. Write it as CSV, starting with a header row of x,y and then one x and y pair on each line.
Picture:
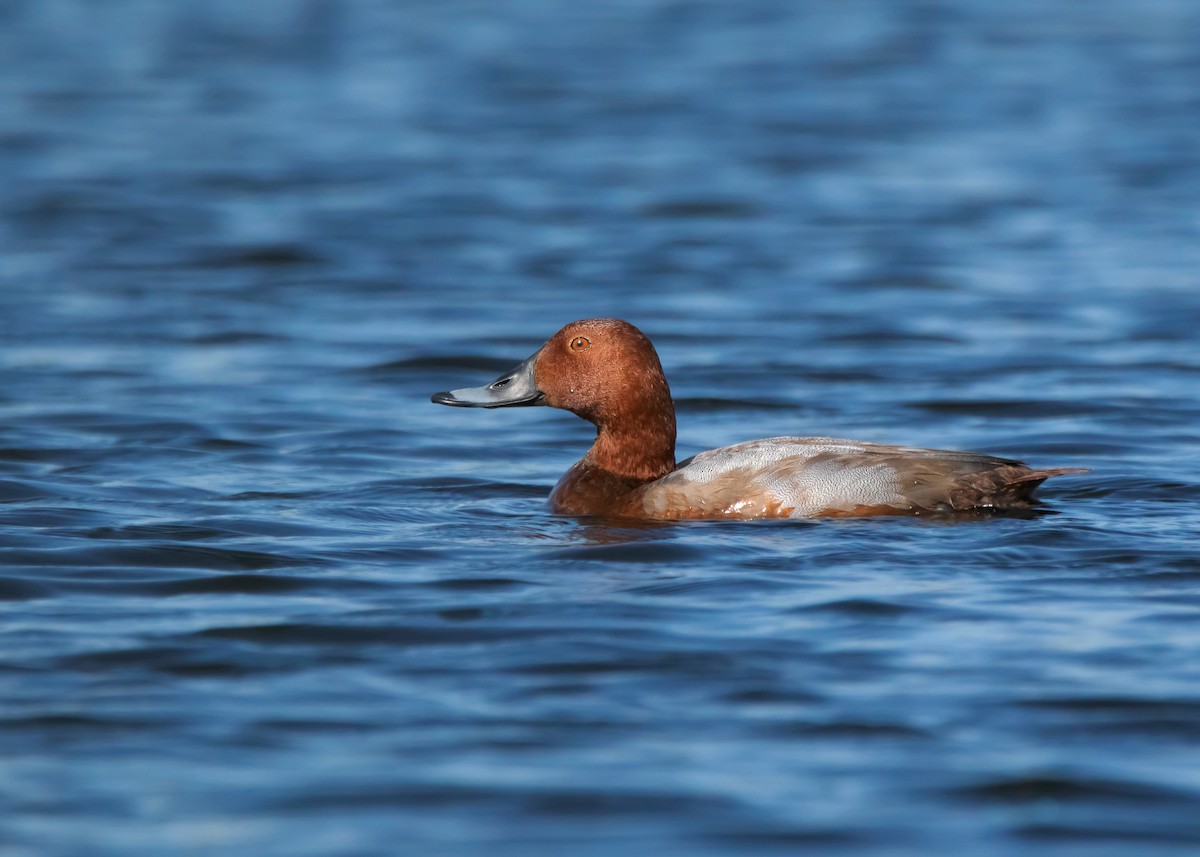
x,y
259,596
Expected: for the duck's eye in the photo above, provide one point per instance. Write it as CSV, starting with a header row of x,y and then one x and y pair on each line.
x,y
580,343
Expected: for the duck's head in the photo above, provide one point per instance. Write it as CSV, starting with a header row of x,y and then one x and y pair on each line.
x,y
599,368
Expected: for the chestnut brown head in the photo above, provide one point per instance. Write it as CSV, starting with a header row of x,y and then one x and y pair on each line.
x,y
602,369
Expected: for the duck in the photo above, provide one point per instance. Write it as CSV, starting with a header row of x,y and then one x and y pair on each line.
x,y
607,372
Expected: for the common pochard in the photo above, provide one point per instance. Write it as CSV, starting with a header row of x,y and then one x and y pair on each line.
x,y
607,372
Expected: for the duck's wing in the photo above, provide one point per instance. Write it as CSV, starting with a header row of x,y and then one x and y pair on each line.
x,y
812,477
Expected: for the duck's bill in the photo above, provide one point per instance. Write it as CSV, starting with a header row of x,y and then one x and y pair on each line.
x,y
514,388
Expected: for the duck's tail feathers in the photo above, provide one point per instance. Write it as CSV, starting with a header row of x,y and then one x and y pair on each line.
x,y
1008,487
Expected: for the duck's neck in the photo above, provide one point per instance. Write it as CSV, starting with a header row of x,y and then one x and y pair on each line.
x,y
638,444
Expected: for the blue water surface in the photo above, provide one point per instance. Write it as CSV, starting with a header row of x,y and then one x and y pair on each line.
x,y
260,597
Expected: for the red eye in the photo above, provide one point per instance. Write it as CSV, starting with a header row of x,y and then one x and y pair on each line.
x,y
580,343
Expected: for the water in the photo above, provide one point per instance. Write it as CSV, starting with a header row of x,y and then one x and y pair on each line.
x,y
261,598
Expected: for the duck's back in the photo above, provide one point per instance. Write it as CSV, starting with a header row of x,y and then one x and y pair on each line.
x,y
805,477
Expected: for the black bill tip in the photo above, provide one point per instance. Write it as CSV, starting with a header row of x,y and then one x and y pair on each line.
x,y
446,398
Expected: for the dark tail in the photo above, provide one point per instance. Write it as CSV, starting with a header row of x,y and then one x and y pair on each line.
x,y
1007,487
